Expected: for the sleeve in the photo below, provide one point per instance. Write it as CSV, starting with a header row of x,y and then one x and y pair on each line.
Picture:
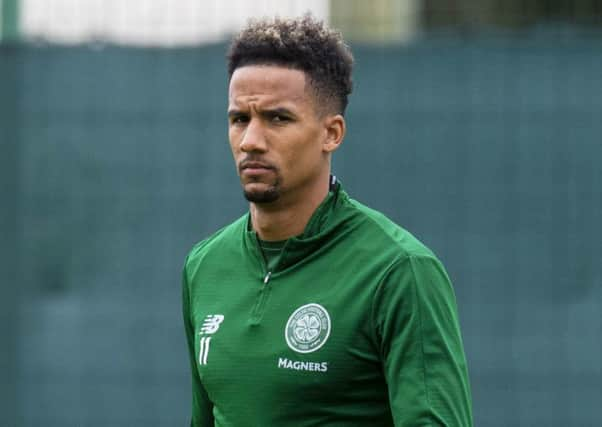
x,y
418,334
202,407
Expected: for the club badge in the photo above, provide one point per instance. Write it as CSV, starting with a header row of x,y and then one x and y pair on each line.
x,y
308,328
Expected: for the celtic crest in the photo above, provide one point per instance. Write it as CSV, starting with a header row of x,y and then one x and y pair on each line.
x,y
307,328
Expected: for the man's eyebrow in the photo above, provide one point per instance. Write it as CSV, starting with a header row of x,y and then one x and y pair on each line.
x,y
233,112
277,111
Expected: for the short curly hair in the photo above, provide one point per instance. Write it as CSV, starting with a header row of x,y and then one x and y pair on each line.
x,y
304,44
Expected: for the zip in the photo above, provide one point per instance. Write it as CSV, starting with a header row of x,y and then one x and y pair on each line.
x,y
268,274
259,307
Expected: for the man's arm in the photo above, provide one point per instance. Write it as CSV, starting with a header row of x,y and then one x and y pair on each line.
x,y
202,407
421,347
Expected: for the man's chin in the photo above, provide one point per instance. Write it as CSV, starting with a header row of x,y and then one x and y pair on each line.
x,y
268,195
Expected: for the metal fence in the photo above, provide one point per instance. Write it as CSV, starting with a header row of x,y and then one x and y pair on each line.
x,y
115,161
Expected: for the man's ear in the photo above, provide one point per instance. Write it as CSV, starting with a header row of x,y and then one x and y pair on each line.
x,y
335,132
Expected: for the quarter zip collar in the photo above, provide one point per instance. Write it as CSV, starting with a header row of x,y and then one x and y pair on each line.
x,y
318,233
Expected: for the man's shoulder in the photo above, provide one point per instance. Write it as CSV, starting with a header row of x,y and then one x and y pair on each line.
x,y
218,240
382,232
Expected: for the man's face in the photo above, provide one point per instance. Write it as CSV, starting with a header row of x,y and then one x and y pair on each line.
x,y
276,135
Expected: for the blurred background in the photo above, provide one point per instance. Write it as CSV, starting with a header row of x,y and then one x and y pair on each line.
x,y
475,124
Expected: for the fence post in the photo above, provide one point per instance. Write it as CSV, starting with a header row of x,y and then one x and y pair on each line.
x,y
9,20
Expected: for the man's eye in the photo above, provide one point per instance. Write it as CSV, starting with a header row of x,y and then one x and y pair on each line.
x,y
276,118
239,119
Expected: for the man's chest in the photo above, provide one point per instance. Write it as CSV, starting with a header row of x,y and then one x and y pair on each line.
x,y
292,335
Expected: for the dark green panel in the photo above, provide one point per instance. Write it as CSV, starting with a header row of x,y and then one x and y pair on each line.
x,y
9,236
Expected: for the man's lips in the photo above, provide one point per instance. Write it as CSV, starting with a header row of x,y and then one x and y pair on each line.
x,y
253,167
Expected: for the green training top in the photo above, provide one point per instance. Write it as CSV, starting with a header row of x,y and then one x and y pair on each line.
x,y
355,325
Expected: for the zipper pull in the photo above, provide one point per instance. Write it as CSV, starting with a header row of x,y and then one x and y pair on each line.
x,y
266,279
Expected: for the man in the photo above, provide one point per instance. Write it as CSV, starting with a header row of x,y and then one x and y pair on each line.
x,y
312,309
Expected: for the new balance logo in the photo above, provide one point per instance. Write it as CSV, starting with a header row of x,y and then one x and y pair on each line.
x,y
211,323
210,326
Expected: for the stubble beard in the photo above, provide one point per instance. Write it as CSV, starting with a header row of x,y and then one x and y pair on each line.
x,y
270,195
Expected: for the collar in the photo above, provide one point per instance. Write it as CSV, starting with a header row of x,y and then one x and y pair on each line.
x,y
325,223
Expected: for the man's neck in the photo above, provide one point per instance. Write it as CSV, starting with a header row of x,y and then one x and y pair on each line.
x,y
274,222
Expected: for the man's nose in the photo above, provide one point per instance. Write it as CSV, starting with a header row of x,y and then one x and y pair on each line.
x,y
253,138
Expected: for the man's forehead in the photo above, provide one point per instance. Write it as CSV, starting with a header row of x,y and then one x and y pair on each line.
x,y
267,102
267,84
